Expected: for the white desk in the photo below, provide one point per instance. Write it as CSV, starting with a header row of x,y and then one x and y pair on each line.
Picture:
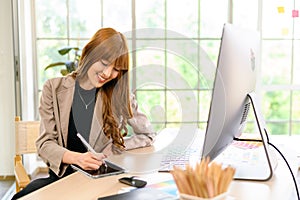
x,y
143,162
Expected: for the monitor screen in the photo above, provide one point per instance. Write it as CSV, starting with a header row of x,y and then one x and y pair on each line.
x,y
235,77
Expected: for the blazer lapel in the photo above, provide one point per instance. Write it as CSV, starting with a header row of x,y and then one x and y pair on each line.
x,y
65,99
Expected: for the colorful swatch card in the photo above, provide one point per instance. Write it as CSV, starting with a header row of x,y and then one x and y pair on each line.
x,y
168,186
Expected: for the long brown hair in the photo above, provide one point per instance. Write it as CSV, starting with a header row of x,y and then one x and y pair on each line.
x,y
108,44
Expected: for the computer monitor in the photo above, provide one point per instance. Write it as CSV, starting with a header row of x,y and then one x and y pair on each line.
x,y
233,96
235,78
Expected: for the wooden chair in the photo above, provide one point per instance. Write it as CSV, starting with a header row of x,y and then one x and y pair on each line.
x,y
26,134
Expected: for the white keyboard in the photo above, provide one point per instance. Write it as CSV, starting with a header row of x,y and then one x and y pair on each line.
x,y
179,155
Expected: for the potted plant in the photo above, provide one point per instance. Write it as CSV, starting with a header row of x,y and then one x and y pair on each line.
x,y
70,65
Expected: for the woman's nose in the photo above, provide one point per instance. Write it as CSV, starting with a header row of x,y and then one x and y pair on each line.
x,y
107,71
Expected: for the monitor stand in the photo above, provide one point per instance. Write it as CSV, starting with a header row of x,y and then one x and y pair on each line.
x,y
263,170
269,155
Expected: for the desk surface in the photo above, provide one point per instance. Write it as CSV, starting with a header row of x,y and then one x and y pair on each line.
x,y
143,163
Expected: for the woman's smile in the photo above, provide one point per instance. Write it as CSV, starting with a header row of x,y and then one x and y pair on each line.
x,y
101,79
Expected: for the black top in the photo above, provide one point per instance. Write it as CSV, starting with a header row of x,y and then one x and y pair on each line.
x,y
74,143
81,117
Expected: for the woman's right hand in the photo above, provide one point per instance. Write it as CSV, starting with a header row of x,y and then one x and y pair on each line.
x,y
87,161
90,161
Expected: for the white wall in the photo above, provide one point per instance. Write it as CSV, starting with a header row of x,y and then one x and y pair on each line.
x,y
7,90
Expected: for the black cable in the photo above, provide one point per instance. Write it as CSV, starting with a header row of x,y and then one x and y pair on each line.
x,y
258,140
286,162
294,179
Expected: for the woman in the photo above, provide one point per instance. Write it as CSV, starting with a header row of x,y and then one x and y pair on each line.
x,y
94,101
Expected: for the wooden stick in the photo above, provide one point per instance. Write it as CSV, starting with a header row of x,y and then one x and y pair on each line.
x,y
190,178
204,175
177,181
202,184
229,173
217,172
182,177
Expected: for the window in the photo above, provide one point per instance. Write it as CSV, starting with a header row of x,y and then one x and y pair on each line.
x,y
280,66
173,43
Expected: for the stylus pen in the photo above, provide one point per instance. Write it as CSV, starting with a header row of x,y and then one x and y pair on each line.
x,y
88,146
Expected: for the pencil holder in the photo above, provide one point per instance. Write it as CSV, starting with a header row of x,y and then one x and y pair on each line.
x,y
206,181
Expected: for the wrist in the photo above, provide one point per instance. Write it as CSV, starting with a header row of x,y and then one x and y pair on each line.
x,y
71,157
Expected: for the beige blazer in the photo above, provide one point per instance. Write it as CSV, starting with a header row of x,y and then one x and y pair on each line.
x,y
55,107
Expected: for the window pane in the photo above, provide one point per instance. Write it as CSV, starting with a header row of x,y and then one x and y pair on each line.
x,y
152,33
78,43
276,62
173,125
211,48
245,13
117,14
150,52
85,18
150,14
51,20
204,104
150,67
277,19
150,76
296,128
150,57
209,52
47,54
182,106
213,15
276,105
152,104
202,127
182,17
278,128
296,69
296,106
182,62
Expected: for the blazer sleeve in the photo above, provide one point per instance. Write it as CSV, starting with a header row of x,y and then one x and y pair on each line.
x,y
144,135
49,144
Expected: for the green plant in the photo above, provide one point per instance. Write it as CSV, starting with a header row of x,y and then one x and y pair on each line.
x,y
71,65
